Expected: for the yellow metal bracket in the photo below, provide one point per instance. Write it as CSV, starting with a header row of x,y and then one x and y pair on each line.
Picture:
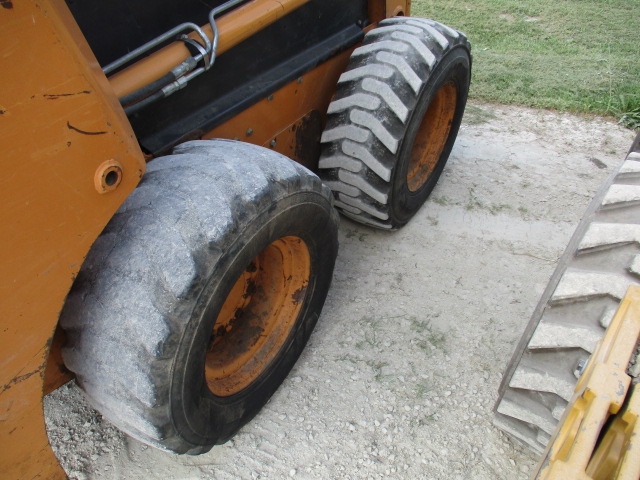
x,y
597,438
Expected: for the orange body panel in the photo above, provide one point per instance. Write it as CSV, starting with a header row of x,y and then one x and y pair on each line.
x,y
58,126
277,121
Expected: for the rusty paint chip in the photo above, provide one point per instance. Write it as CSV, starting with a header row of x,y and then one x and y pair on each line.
x,y
298,295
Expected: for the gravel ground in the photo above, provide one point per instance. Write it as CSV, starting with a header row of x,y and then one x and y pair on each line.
x,y
401,374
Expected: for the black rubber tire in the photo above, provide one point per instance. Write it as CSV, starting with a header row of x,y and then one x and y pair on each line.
x,y
140,315
379,106
593,274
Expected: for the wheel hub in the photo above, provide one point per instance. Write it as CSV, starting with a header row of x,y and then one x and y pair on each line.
x,y
257,316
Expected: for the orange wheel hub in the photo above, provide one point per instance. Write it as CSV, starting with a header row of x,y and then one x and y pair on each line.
x,y
257,316
432,136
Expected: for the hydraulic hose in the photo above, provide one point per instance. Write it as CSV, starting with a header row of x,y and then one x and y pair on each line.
x,y
149,90
143,103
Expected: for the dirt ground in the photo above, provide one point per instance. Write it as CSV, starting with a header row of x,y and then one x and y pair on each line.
x,y
401,374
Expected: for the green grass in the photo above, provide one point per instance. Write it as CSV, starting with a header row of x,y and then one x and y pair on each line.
x,y
568,55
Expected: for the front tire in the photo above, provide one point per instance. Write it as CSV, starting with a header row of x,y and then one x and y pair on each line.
x,y
196,301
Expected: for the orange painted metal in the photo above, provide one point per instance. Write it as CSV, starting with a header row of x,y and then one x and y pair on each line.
x,y
58,127
432,136
233,28
272,122
257,316
300,140
396,7
381,9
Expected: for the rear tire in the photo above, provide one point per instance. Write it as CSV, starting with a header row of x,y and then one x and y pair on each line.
x,y
201,293
592,276
394,119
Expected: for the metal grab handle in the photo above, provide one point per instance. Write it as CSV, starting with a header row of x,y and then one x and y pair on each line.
x,y
214,27
157,41
183,72
209,47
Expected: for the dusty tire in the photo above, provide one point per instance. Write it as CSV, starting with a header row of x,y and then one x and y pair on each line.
x,y
201,293
600,262
409,80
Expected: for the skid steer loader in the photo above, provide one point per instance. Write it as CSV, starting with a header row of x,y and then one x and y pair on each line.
x,y
164,240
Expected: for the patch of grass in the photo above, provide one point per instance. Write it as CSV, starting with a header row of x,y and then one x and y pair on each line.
x,y
474,115
496,208
426,420
428,337
422,388
574,55
370,328
361,236
629,111
347,358
371,339
474,203
441,200
420,326
377,367
437,339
